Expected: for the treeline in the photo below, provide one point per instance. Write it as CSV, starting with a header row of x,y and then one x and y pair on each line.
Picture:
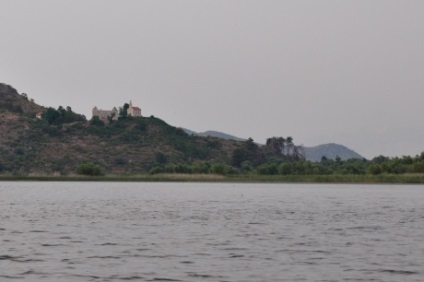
x,y
376,166
61,115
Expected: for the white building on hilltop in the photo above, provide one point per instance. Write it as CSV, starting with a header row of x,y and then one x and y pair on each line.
x,y
133,111
104,115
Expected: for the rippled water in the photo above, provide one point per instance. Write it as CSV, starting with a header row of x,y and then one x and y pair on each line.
x,y
210,232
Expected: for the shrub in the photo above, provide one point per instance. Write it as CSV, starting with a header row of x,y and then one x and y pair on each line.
x,y
170,169
89,169
96,121
230,170
285,169
267,169
183,169
375,169
218,169
201,167
246,166
156,170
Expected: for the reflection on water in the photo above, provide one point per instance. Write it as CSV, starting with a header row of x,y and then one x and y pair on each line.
x,y
210,232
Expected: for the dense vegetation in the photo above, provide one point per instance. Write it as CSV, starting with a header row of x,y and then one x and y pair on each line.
x,y
377,166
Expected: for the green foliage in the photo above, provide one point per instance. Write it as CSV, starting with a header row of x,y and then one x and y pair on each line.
x,y
89,169
285,169
267,169
248,152
160,158
276,144
222,169
13,107
61,115
201,167
123,111
246,167
170,169
375,169
156,170
218,169
214,144
141,124
419,167
51,115
181,168
96,121
239,156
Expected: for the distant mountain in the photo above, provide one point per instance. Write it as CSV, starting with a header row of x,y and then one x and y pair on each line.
x,y
330,151
211,133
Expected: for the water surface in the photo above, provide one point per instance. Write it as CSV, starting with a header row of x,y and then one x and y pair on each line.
x,y
210,232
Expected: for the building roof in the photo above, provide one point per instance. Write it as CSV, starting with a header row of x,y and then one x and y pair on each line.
x,y
136,108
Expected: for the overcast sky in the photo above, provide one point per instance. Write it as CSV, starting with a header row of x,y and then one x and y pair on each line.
x,y
348,72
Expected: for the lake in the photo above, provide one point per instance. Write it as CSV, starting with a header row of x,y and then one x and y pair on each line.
x,y
81,231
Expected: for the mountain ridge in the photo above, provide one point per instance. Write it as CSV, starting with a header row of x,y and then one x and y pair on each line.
x,y
214,133
330,151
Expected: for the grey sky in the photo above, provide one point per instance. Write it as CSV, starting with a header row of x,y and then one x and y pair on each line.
x,y
349,72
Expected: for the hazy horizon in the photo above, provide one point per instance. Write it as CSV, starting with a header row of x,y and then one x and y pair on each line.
x,y
346,72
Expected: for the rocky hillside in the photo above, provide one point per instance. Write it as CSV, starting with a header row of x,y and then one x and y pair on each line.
x,y
12,102
61,140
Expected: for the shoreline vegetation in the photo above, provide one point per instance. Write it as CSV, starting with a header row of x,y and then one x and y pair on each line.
x,y
214,178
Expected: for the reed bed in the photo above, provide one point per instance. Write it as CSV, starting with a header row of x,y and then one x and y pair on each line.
x,y
247,178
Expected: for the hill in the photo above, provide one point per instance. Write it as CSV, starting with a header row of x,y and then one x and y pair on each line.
x,y
13,102
330,151
61,140
212,133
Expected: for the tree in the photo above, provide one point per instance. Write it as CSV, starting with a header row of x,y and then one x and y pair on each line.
x,y
250,145
281,141
289,145
276,144
96,121
239,156
123,111
375,169
246,167
51,115
61,115
285,169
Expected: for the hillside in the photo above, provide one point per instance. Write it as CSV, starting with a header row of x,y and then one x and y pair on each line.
x,y
330,151
61,140
13,102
